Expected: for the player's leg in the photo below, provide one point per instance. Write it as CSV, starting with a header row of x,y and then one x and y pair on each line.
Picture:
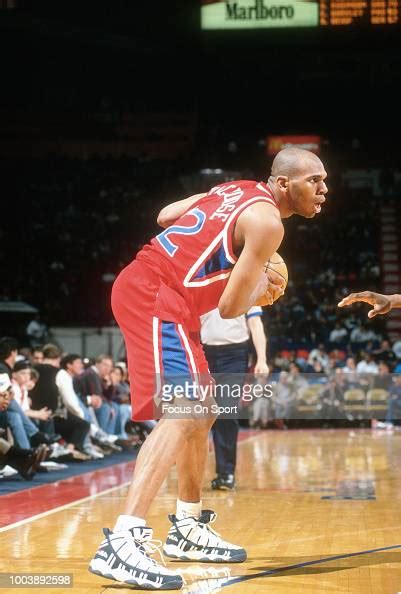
x,y
125,552
157,455
190,538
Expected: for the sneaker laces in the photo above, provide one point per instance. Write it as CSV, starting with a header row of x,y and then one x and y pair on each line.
x,y
208,517
150,547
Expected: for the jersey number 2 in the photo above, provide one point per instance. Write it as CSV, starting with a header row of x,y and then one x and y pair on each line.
x,y
165,241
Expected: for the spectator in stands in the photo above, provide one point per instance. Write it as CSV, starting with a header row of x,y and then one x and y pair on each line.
x,y
351,373
361,335
37,355
25,461
24,431
21,378
295,379
284,397
96,380
383,378
121,395
385,353
397,349
71,367
45,394
332,397
367,365
339,334
319,354
8,354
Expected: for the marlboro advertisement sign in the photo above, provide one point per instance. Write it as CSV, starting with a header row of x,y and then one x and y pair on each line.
x,y
258,14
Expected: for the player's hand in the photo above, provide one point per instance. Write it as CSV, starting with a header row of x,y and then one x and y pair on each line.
x,y
270,288
276,284
381,303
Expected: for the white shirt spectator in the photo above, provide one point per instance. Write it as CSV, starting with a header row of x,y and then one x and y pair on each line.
x,y
361,334
216,331
320,355
367,367
21,396
338,335
68,395
397,349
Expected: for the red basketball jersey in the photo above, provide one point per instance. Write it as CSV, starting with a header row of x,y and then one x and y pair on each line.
x,y
194,256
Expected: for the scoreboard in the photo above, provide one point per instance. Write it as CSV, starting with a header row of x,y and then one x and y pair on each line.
x,y
262,14
364,12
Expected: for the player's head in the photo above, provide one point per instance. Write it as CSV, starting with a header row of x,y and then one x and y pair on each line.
x,y
299,178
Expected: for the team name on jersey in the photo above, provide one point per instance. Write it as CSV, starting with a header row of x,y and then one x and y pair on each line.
x,y
230,194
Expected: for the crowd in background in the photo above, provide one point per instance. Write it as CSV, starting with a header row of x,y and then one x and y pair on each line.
x,y
55,409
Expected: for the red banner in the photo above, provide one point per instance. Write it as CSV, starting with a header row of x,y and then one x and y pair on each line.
x,y
274,144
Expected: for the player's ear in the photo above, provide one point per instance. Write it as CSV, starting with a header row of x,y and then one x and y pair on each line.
x,y
282,182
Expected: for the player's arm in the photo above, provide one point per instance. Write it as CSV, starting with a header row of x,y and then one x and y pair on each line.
x,y
382,304
260,230
175,210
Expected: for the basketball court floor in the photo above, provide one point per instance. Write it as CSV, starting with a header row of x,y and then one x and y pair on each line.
x,y
319,512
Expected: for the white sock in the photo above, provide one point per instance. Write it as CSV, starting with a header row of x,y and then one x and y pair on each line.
x,y
125,523
188,510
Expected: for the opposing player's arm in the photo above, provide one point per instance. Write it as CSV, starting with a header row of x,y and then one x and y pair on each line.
x,y
175,210
261,231
382,304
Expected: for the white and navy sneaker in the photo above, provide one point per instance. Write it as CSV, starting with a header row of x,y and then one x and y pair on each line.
x,y
124,557
192,539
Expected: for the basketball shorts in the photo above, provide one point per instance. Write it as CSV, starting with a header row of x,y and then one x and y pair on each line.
x,y
160,352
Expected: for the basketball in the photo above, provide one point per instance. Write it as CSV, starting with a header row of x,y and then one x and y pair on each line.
x,y
277,264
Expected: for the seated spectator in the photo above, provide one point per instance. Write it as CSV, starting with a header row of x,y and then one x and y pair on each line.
x,y
121,395
396,348
96,380
45,394
332,397
383,378
351,374
25,433
339,334
385,353
319,354
25,460
367,365
361,335
318,375
72,366
284,397
21,379
37,355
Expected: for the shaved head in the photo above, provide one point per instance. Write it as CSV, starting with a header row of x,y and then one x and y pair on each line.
x,y
293,161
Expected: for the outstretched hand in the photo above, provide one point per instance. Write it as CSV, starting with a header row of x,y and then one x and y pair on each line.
x,y
381,303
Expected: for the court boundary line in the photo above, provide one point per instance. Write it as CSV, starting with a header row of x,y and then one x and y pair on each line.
x,y
277,570
61,507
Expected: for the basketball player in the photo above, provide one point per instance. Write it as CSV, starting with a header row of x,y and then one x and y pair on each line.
x,y
211,254
382,304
